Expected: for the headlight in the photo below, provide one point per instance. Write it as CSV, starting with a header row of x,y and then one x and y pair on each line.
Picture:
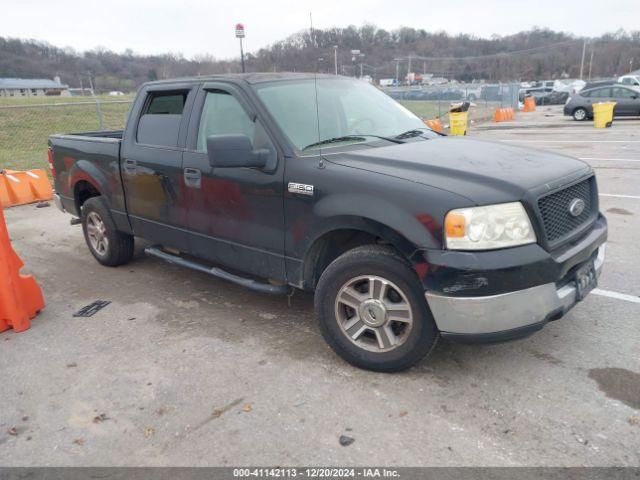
x,y
487,228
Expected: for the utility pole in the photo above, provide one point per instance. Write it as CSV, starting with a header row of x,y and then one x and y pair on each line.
x,y
409,68
98,109
590,63
584,50
397,69
335,58
630,65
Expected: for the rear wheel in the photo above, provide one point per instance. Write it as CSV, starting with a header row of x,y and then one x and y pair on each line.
x,y
372,311
109,246
579,114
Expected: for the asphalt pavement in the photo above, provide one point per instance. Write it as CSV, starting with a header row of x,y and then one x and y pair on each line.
x,y
184,369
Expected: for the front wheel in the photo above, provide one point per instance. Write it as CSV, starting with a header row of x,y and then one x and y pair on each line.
x,y
579,114
372,311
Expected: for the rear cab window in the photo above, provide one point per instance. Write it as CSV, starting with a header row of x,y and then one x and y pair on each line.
x,y
159,124
597,93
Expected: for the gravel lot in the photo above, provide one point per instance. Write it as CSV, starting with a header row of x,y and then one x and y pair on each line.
x,y
184,369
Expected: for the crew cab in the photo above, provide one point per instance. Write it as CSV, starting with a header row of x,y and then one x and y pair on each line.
x,y
324,183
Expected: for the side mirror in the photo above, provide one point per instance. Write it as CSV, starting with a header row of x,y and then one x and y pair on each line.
x,y
234,150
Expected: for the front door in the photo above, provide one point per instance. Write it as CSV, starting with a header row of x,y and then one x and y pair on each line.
x,y
235,215
627,102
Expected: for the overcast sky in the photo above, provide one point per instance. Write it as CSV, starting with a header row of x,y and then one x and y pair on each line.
x,y
195,27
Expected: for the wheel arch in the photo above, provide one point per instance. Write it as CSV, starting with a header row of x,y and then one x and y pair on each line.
x,y
344,235
82,191
87,181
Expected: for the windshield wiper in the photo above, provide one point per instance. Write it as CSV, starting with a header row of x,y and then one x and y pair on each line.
x,y
344,138
414,132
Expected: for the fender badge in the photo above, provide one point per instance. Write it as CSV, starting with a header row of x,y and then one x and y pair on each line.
x,y
300,188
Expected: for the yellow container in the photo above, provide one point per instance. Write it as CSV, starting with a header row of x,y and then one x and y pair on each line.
x,y
603,114
458,123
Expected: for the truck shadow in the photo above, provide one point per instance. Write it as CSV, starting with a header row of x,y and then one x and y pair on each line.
x,y
283,326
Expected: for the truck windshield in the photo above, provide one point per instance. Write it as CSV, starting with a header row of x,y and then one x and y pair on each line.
x,y
351,111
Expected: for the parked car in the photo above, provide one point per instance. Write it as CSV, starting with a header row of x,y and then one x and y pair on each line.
x,y
539,93
544,96
557,98
494,93
630,80
580,105
324,183
569,85
599,83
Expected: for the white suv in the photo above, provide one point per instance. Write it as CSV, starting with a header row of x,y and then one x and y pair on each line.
x,y
632,81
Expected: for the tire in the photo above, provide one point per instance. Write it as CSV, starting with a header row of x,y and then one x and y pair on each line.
x,y
98,226
363,271
580,114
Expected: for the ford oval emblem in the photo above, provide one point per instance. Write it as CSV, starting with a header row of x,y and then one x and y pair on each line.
x,y
576,207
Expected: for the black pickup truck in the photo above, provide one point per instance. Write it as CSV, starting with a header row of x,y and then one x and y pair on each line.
x,y
324,183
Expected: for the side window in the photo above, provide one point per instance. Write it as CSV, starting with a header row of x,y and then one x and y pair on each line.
x,y
622,93
159,124
601,93
222,114
166,103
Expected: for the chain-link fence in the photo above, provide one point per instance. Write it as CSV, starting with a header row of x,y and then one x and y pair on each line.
x,y
430,102
25,128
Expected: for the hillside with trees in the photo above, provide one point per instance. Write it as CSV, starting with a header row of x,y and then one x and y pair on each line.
x,y
530,55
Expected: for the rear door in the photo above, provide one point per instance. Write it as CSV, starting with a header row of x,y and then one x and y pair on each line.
x,y
597,95
627,102
236,215
151,164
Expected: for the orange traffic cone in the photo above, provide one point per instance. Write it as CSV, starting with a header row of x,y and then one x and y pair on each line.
x,y
20,296
434,124
529,104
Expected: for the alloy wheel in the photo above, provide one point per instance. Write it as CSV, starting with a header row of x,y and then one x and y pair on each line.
x,y
373,313
97,233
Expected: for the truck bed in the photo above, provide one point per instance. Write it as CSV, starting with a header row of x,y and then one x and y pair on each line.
x,y
91,136
96,155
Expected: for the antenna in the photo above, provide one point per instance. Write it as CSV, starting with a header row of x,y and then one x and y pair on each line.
x,y
315,85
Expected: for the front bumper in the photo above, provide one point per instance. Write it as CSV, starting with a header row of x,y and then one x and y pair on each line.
x,y
501,295
506,316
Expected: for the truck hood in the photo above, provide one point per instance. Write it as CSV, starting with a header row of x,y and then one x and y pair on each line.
x,y
484,172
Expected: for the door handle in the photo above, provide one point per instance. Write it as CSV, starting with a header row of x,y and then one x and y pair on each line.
x,y
131,166
192,177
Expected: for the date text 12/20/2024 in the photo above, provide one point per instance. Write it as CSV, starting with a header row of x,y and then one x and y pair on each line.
x,y
316,472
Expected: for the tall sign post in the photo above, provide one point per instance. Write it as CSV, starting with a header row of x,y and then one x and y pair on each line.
x,y
240,35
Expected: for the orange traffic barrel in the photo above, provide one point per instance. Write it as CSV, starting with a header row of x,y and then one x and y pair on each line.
x,y
20,296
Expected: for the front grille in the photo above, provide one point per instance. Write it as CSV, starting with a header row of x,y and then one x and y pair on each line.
x,y
554,208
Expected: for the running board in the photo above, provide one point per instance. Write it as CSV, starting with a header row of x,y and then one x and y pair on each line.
x,y
217,272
